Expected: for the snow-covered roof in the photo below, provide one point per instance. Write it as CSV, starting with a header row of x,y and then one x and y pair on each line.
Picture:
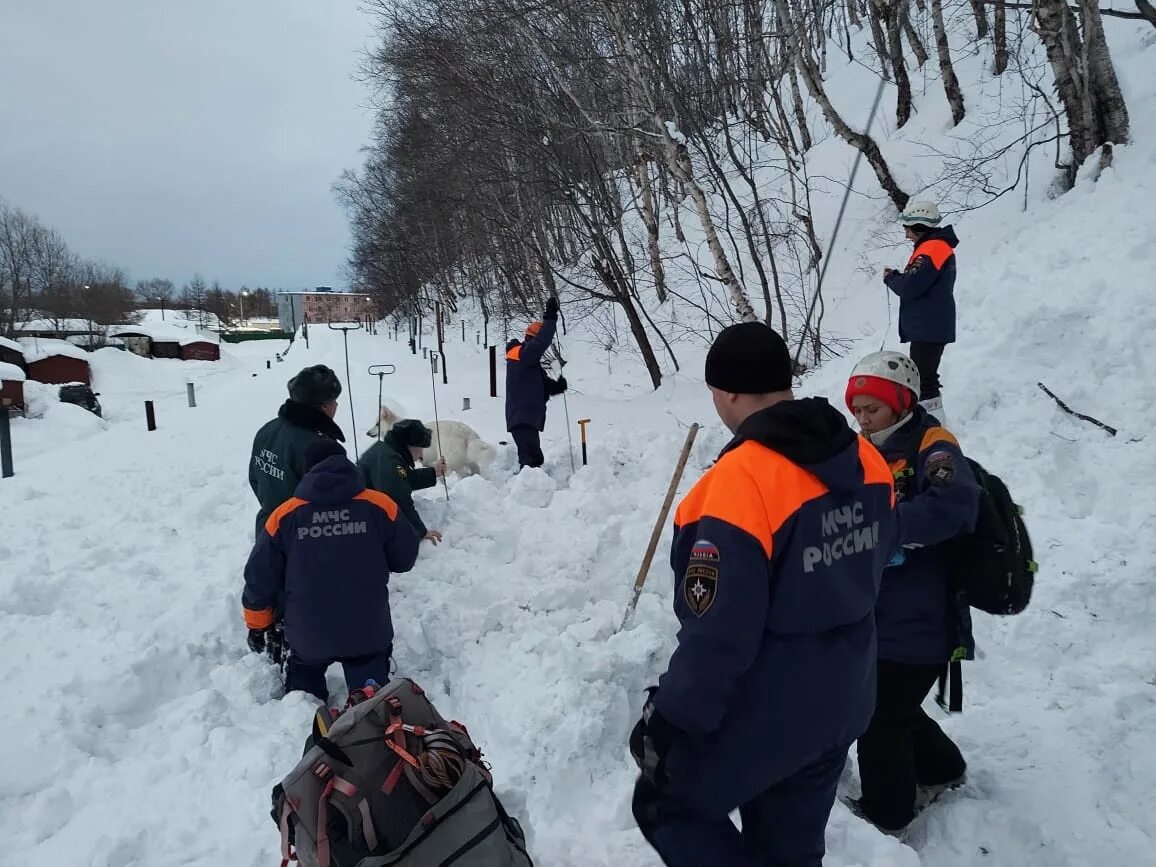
x,y
38,348
164,334
11,373
83,326
11,344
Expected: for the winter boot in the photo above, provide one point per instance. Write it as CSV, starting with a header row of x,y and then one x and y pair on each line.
x,y
934,407
925,796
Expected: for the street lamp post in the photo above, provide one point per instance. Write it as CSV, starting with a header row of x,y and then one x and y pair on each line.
x,y
242,297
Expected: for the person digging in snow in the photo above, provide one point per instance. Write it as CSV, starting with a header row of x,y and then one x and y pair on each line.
x,y
389,466
905,759
328,552
926,296
528,386
777,553
277,463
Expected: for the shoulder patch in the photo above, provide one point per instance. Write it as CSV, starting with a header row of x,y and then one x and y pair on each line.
x,y
700,587
940,467
704,550
401,472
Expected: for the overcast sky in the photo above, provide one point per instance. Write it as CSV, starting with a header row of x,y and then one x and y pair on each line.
x,y
179,136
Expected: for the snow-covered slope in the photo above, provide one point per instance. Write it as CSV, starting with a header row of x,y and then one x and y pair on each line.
x,y
139,731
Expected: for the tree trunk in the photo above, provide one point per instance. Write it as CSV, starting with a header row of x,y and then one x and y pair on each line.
x,y
1147,10
1001,57
1085,78
913,38
1107,98
950,82
977,7
800,114
878,37
862,141
890,9
650,221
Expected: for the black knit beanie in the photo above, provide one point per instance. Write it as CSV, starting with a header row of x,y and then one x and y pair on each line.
x,y
320,450
749,358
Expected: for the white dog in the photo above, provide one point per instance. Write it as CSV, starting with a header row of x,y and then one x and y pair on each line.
x,y
465,452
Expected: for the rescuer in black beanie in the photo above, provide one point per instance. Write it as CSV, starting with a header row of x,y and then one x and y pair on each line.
x,y
749,358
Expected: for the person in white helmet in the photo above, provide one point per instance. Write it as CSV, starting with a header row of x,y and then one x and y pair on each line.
x,y
924,628
926,290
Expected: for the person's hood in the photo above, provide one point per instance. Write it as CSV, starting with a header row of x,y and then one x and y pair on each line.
x,y
808,432
403,453
335,480
310,418
941,233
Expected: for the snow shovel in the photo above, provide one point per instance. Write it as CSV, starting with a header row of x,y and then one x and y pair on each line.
x,y
654,537
345,329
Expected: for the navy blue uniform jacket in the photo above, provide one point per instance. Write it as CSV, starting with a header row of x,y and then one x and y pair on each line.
x,y
777,557
926,289
921,621
526,381
330,551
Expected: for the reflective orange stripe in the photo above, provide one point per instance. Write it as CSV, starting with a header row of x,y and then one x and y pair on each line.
x,y
279,514
262,619
937,250
382,501
515,354
757,490
937,435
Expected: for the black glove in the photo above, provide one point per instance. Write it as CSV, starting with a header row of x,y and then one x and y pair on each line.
x,y
561,384
551,307
257,640
650,741
275,643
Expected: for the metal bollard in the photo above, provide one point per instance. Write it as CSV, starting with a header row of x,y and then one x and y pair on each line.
x,y
269,364
465,404
192,390
6,471
493,371
150,415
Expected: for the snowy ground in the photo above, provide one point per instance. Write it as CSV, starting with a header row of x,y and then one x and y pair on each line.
x,y
139,731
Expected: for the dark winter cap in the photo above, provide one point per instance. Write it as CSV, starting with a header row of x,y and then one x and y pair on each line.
x,y
320,450
749,358
411,433
315,386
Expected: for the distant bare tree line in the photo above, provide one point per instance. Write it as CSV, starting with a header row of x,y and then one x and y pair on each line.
x,y
41,278
523,146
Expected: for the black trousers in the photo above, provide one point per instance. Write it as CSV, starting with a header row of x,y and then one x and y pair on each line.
x,y
927,357
528,440
309,675
783,827
903,747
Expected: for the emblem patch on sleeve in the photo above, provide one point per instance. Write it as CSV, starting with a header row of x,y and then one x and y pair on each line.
x,y
940,468
401,472
700,583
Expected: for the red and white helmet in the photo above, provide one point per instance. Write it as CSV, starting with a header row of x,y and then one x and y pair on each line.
x,y
888,376
920,214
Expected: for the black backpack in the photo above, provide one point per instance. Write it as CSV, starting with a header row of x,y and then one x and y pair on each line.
x,y
993,565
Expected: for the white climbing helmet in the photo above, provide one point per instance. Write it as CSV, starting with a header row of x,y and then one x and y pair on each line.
x,y
920,214
891,366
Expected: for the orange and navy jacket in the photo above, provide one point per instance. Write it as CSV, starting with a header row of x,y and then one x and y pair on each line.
x,y
926,289
527,385
323,562
777,557
920,617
